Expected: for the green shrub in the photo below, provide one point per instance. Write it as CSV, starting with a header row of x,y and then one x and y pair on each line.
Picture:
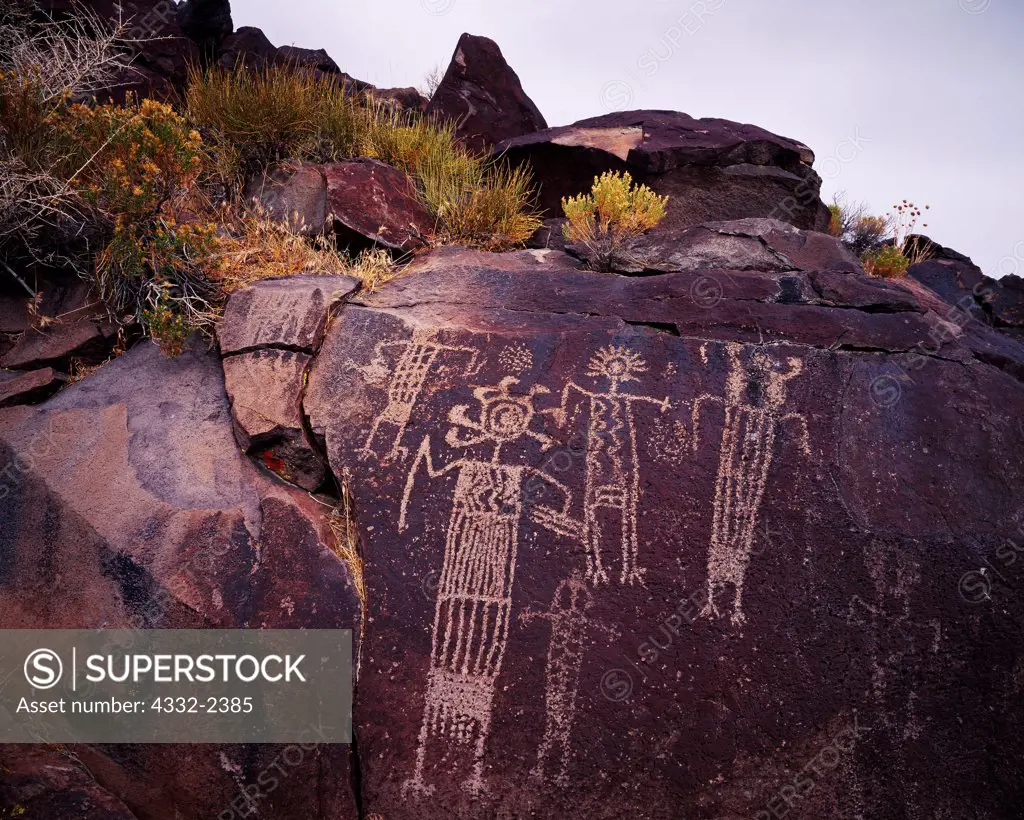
x,y
886,262
251,118
904,249
131,159
613,213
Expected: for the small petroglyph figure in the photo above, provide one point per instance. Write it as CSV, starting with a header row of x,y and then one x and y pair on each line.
x,y
755,395
417,357
612,481
474,593
570,626
516,359
668,441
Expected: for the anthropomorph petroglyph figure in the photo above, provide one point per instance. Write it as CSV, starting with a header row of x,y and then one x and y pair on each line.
x,y
612,480
416,358
755,395
474,595
570,628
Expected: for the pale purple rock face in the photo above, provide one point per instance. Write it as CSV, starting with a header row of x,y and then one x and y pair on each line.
x,y
135,508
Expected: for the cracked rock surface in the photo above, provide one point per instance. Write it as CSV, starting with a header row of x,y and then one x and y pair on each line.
x,y
126,503
701,525
718,526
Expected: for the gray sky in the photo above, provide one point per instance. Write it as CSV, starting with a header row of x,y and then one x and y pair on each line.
x,y
917,99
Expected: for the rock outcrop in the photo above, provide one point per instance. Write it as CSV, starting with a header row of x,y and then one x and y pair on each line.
x,y
713,526
74,327
729,532
38,782
268,336
972,295
294,193
375,205
741,244
712,169
482,95
207,23
127,504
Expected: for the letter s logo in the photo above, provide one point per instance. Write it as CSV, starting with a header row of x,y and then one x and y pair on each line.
x,y
43,669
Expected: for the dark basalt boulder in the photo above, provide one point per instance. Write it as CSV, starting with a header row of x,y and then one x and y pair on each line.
x,y
712,169
43,783
247,47
721,527
972,295
294,193
268,335
162,51
373,204
482,94
740,244
27,388
206,22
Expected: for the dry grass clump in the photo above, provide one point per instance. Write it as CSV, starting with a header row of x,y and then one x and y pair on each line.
x,y
253,118
43,68
253,246
346,541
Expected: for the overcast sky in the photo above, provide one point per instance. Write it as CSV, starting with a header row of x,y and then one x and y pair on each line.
x,y
917,99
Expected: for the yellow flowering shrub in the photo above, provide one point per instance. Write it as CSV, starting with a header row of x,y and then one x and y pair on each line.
x,y
613,213
133,158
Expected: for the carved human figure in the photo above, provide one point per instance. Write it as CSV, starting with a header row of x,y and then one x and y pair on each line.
x,y
570,630
474,596
417,358
612,474
755,395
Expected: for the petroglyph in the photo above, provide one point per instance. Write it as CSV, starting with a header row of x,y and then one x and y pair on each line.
x,y
668,441
755,394
516,359
474,594
612,481
417,358
570,626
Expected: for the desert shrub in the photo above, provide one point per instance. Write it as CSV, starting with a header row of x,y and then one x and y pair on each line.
x,y
43,68
866,233
886,262
142,159
613,213
136,157
251,118
903,249
431,80
835,222
475,202
857,229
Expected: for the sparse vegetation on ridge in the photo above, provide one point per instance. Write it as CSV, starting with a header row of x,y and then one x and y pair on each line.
x,y
884,244
613,213
253,118
145,200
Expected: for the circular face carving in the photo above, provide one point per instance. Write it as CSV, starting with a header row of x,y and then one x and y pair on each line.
x,y
507,419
